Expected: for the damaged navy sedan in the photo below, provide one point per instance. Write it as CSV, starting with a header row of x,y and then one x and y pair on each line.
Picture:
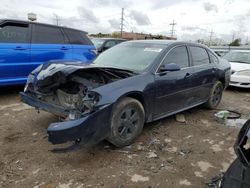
x,y
125,87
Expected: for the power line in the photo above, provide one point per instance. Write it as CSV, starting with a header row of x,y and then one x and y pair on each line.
x,y
172,30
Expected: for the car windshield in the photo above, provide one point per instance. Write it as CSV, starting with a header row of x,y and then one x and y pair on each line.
x,y
130,56
238,56
98,42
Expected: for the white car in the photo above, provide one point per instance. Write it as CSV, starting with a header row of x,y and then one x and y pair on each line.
x,y
240,67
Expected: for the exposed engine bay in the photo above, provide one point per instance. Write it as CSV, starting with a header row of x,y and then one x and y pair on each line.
x,y
73,91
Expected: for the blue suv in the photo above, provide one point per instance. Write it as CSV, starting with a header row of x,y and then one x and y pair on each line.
x,y
25,45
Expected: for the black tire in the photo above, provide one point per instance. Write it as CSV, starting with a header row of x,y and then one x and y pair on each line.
x,y
127,122
215,95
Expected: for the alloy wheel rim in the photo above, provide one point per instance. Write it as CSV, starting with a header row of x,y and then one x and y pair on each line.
x,y
128,122
216,95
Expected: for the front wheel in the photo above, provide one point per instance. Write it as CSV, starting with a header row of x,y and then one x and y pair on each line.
x,y
127,121
215,95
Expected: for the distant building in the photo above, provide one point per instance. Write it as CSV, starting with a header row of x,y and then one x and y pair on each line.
x,y
132,36
143,36
100,35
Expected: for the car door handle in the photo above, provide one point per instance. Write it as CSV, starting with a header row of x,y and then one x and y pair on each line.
x,y
188,75
20,48
64,48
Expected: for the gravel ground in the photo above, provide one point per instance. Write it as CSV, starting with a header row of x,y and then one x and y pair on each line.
x,y
167,154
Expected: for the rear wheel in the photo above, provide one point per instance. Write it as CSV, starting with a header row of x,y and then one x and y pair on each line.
x,y
127,122
215,95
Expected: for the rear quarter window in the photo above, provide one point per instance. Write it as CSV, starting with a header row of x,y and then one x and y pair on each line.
x,y
199,55
77,37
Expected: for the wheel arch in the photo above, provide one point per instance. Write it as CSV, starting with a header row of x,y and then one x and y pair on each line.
x,y
138,96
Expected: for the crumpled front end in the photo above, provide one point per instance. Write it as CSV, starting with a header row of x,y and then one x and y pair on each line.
x,y
68,92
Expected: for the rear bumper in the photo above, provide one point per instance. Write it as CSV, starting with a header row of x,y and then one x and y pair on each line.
x,y
89,129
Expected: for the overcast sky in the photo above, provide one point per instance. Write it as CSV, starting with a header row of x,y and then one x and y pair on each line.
x,y
195,18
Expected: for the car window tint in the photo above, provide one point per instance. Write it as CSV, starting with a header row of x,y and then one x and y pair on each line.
x,y
110,44
14,33
77,37
178,56
213,58
200,56
47,35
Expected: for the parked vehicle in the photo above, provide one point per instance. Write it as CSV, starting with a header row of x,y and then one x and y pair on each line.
x,y
220,52
103,44
240,63
25,45
131,84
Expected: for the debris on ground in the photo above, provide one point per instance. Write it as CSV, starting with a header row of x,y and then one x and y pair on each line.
x,y
180,118
152,154
223,114
235,122
137,178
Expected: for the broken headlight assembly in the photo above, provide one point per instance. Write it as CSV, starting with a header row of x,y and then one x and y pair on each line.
x,y
31,76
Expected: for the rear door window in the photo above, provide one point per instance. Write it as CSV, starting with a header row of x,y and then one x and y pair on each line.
x,y
14,33
179,56
77,37
199,55
43,34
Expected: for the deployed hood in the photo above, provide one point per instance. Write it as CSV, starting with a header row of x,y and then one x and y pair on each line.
x,y
239,66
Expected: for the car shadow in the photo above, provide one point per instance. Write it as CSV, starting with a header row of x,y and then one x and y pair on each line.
x,y
7,90
238,89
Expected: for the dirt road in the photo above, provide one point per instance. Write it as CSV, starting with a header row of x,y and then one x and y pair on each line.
x,y
167,154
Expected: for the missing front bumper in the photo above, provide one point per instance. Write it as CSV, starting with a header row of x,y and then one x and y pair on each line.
x,y
90,129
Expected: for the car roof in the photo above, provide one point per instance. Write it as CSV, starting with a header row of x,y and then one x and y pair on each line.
x,y
38,23
166,42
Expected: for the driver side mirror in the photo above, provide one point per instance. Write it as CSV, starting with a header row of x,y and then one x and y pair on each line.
x,y
241,147
170,67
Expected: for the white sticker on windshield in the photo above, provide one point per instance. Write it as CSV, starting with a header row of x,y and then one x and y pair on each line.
x,y
153,50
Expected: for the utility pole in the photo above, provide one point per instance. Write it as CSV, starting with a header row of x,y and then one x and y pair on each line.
x,y
210,38
57,19
122,19
172,30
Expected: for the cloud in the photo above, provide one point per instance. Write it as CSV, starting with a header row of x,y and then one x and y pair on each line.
x,y
114,23
110,3
164,3
140,18
210,7
193,29
87,14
